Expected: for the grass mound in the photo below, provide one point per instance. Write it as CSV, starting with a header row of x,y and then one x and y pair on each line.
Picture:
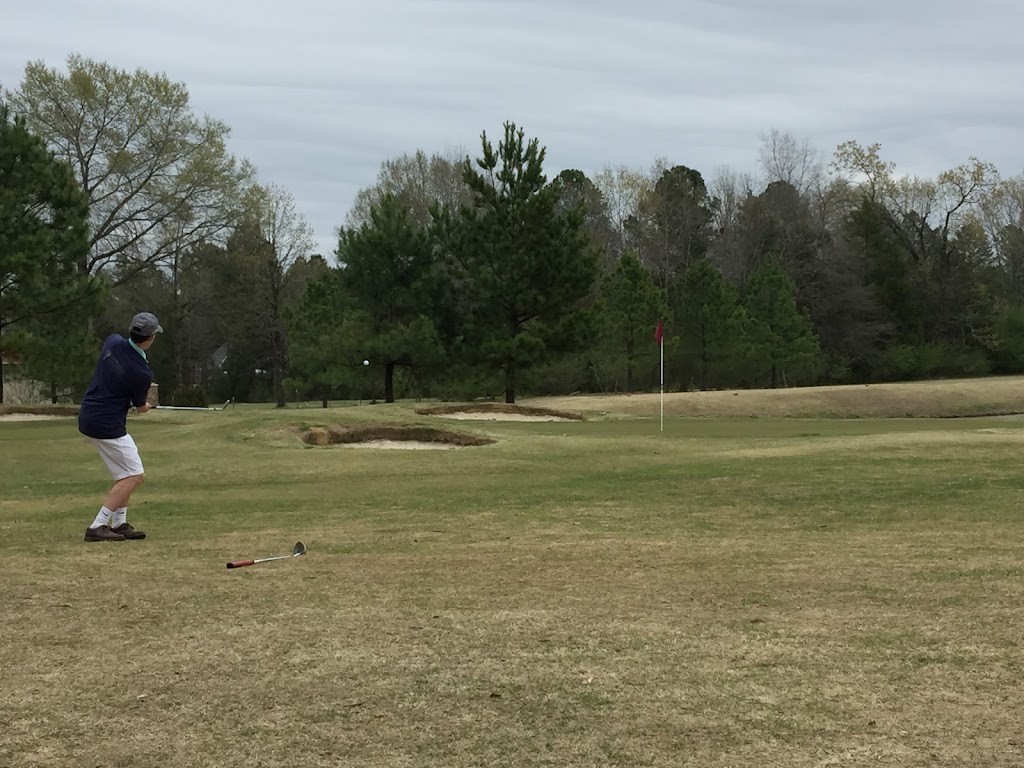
x,y
951,398
498,408
338,434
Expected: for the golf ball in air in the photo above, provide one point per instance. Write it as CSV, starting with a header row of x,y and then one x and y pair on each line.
x,y
366,362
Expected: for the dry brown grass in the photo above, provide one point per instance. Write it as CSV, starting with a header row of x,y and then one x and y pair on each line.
x,y
526,652
927,399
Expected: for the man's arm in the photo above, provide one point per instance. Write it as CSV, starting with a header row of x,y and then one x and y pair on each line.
x,y
140,394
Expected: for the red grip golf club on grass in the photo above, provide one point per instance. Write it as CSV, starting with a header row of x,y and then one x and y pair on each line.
x,y
297,550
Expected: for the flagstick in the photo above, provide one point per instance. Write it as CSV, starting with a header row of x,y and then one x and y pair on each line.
x,y
662,345
659,336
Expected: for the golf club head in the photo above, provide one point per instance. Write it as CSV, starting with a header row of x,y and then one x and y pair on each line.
x,y
298,549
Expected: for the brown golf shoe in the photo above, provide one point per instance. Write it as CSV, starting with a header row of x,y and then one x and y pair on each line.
x,y
126,530
102,533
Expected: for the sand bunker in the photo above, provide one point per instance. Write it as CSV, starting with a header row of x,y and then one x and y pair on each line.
x,y
391,437
29,417
403,445
478,416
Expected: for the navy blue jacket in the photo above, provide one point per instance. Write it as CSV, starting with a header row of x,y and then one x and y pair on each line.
x,y
121,380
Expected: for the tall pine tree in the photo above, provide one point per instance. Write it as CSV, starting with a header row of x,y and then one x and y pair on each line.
x,y
631,305
709,321
387,271
526,264
782,339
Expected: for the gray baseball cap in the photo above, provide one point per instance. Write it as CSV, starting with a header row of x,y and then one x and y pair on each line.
x,y
145,324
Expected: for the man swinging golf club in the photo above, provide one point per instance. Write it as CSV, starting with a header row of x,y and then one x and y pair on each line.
x,y
121,381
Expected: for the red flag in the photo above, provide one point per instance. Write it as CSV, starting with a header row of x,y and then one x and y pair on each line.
x,y
659,332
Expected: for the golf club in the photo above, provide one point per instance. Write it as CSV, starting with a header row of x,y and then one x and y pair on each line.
x,y
298,549
190,408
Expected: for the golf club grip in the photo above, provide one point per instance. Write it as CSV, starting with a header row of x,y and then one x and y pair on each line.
x,y
240,563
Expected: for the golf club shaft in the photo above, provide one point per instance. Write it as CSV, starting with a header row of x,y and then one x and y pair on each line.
x,y
189,407
298,549
243,563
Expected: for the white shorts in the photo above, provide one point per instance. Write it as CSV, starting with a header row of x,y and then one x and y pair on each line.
x,y
121,456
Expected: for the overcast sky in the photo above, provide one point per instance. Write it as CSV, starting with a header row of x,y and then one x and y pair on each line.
x,y
319,93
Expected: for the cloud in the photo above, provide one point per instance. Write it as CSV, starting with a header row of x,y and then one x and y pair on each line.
x,y
319,93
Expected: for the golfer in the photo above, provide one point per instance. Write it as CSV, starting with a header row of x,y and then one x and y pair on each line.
x,y
121,381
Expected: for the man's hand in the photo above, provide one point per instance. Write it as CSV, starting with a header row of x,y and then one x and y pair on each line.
x,y
143,408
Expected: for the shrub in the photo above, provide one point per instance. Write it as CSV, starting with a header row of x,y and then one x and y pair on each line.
x,y
189,397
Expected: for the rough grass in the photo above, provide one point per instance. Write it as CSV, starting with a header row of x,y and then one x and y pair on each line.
x,y
728,592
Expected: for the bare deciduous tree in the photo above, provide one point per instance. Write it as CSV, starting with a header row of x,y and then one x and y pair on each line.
x,y
623,188
730,189
418,180
918,207
158,178
785,158
276,221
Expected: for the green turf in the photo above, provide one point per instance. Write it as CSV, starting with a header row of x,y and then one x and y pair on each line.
x,y
726,592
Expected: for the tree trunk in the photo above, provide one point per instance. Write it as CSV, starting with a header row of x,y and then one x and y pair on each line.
x,y
775,376
280,363
389,382
53,392
325,395
279,379
279,351
176,351
704,367
629,366
510,382
1,376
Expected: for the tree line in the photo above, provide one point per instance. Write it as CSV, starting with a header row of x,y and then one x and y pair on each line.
x,y
461,276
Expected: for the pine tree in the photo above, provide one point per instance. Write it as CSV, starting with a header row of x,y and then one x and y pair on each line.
x,y
43,237
631,305
781,338
525,264
326,337
387,268
708,317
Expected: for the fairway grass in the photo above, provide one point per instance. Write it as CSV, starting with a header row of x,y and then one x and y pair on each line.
x,y
728,592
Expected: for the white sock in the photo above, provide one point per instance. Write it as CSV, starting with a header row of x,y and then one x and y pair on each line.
x,y
103,518
120,516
